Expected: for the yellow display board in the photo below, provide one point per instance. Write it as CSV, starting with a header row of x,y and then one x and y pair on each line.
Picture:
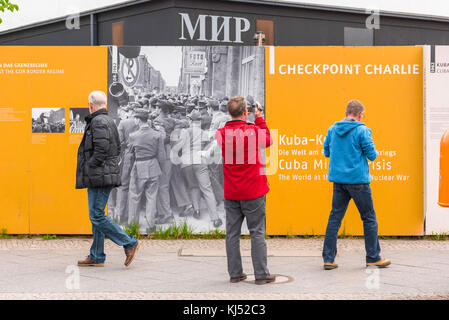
x,y
37,169
307,90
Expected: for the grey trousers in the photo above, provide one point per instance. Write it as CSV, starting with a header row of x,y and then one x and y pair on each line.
x,y
163,194
138,189
254,212
198,183
123,190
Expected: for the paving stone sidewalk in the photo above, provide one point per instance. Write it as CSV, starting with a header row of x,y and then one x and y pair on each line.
x,y
196,269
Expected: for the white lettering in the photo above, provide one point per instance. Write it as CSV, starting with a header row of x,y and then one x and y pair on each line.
x,y
239,30
224,26
201,21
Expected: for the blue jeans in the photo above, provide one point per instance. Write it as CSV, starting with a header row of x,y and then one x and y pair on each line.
x,y
103,225
361,194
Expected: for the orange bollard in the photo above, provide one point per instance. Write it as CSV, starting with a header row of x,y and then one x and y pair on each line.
x,y
443,194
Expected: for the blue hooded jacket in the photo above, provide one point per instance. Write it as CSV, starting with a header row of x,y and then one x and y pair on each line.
x,y
348,143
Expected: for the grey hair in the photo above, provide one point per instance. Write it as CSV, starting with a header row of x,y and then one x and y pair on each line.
x,y
98,99
354,108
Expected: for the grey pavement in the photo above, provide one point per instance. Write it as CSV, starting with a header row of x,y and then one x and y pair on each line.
x,y
196,269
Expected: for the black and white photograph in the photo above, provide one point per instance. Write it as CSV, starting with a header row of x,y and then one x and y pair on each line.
x,y
77,119
156,95
48,120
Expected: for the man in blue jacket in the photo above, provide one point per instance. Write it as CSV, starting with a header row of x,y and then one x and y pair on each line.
x,y
348,144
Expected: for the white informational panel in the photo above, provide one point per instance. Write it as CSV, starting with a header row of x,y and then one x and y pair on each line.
x,y
436,121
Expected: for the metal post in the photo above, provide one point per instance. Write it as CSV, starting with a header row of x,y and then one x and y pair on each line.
x,y
93,30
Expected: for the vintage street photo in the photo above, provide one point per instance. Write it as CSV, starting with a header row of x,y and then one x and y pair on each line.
x,y
77,119
48,120
168,89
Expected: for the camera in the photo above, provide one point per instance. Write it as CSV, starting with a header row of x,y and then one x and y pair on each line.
x,y
253,106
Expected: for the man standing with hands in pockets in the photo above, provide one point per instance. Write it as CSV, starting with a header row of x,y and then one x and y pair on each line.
x,y
245,186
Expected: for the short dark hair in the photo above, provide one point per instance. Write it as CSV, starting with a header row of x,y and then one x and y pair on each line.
x,y
236,106
214,105
354,107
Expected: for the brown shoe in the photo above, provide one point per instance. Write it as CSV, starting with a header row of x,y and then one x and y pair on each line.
x,y
267,279
131,253
382,263
238,278
88,262
330,265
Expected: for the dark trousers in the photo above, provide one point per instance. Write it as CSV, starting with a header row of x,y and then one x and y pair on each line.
x,y
254,212
361,194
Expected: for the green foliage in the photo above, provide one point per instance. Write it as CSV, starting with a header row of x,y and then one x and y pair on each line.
x,y
214,234
48,236
184,231
4,234
444,236
344,235
174,231
288,236
6,5
133,230
390,238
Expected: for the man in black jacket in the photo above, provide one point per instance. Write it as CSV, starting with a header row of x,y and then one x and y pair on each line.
x,y
98,171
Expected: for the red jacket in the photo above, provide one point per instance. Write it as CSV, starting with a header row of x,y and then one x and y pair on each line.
x,y
244,173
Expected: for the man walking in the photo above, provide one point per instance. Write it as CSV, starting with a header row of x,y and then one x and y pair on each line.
x,y
245,186
98,171
348,144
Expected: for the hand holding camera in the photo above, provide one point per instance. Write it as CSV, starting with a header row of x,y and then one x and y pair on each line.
x,y
258,110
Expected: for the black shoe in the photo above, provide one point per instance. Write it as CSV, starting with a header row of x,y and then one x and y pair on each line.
x,y
169,219
159,221
238,278
217,223
197,214
187,212
166,220
267,279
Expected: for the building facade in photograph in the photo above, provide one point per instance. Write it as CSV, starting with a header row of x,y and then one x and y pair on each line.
x,y
220,71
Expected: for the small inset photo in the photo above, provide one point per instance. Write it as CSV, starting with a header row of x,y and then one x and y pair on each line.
x,y
48,120
77,119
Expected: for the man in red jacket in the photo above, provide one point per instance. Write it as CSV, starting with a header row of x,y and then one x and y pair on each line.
x,y
245,186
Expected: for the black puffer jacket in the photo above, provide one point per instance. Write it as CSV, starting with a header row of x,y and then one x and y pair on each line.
x,y
98,153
